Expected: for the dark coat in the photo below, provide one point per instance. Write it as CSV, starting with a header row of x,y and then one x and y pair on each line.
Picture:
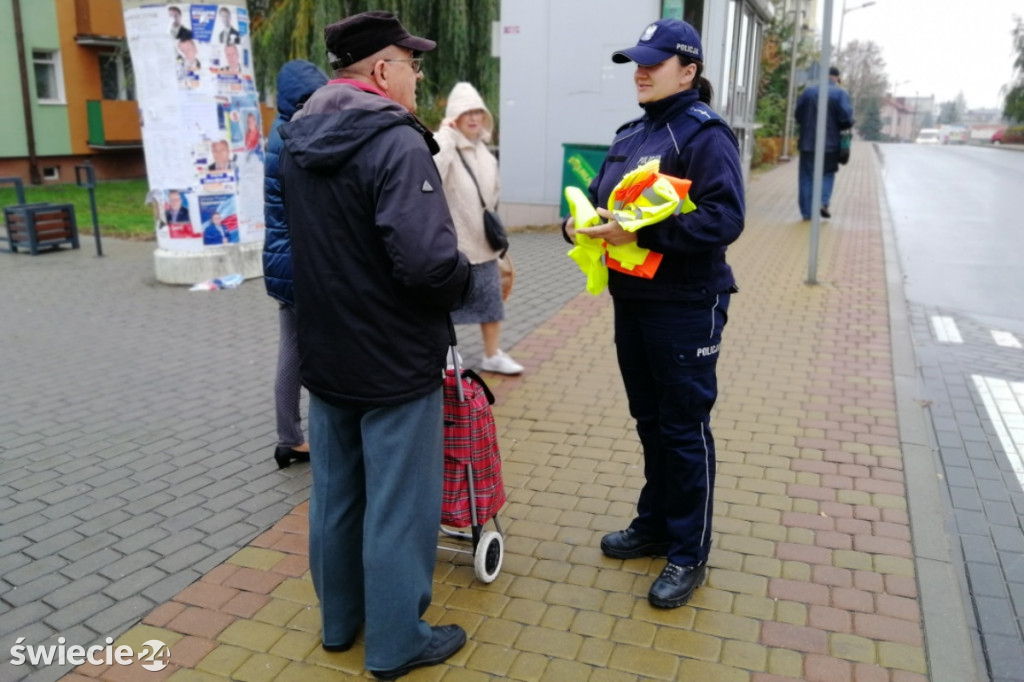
x,y
840,117
692,142
296,81
377,266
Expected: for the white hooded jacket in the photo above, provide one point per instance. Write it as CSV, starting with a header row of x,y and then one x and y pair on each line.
x,y
459,190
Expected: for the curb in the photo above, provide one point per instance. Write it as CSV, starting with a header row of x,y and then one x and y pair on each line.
x,y
941,580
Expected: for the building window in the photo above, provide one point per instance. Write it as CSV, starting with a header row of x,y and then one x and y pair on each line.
x,y
49,76
51,173
116,75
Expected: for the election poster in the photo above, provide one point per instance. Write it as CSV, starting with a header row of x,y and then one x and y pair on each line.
x,y
201,124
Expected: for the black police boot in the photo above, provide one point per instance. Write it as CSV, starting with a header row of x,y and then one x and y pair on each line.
x,y
676,584
629,544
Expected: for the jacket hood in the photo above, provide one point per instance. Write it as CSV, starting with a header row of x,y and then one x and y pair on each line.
x,y
338,120
297,80
463,98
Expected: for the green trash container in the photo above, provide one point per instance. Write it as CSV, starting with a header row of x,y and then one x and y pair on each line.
x,y
580,166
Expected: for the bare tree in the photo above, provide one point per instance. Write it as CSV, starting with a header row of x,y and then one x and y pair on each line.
x,y
864,77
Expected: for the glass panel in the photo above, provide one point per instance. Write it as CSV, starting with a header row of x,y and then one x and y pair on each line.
x,y
727,66
127,74
46,82
46,75
742,57
109,76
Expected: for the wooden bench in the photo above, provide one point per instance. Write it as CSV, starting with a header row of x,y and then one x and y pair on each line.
x,y
36,226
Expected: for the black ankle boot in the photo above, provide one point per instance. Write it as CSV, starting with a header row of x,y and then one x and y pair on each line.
x,y
630,544
676,585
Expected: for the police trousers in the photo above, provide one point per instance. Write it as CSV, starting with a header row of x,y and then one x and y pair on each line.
x,y
668,354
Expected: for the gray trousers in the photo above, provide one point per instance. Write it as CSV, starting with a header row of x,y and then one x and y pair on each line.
x,y
287,383
374,516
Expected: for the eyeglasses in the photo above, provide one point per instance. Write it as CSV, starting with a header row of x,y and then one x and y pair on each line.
x,y
415,62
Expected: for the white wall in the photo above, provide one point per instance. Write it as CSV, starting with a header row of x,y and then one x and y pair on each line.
x,y
559,85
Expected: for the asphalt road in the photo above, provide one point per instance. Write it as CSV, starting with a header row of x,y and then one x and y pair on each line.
x,y
960,231
956,217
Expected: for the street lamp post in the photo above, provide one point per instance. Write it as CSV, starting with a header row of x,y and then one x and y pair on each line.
x,y
842,19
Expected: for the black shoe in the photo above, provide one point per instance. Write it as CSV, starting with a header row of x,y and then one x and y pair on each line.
x,y
445,640
629,544
284,456
825,213
675,585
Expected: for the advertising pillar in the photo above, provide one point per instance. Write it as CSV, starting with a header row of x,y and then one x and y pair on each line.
x,y
202,136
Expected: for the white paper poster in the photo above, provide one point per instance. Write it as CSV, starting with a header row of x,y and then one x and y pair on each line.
x,y
201,124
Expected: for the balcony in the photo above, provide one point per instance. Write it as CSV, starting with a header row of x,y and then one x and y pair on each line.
x,y
103,19
114,124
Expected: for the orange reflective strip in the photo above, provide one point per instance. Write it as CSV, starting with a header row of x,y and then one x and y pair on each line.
x,y
628,194
681,185
645,270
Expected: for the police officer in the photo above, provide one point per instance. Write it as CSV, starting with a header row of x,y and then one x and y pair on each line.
x,y
668,328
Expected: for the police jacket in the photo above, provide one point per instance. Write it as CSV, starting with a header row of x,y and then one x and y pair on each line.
x,y
692,142
839,117
297,80
377,266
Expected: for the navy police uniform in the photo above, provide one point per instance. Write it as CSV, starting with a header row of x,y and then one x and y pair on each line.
x,y
668,329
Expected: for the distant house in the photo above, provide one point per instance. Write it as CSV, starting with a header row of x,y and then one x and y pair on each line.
x,y
898,119
69,97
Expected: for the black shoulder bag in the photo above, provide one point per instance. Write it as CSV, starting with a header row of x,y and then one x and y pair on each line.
x,y
494,230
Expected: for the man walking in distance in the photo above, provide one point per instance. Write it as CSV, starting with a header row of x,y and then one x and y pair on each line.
x,y
839,117
376,270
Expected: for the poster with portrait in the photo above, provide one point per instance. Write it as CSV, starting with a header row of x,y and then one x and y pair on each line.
x,y
202,128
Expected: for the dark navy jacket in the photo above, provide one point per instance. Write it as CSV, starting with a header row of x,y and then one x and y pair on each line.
x,y
840,117
377,265
692,142
297,80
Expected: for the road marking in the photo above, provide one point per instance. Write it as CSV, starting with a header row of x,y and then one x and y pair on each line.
x,y
1004,403
1006,339
945,329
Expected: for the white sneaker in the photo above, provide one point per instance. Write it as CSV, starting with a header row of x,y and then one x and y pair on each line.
x,y
501,363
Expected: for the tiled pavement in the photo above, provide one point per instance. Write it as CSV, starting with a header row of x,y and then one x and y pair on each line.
x,y
814,574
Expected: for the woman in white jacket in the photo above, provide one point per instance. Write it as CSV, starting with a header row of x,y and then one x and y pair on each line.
x,y
464,132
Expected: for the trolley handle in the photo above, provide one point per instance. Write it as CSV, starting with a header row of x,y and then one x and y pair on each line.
x,y
455,360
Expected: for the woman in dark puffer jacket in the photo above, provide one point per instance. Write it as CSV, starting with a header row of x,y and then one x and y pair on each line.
x,y
297,80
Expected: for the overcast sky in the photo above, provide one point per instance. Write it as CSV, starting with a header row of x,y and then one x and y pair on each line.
x,y
941,47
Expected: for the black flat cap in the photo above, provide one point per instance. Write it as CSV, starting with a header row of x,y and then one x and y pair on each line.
x,y
360,35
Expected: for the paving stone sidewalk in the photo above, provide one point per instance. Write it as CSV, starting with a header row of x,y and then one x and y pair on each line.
x,y
813,570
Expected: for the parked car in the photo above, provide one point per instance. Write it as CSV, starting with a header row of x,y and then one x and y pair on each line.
x,y
928,136
1011,135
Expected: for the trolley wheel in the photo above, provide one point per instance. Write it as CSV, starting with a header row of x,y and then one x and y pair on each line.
x,y
487,558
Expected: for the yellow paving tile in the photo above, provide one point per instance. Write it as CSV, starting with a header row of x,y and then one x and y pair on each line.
x,y
223,660
251,635
260,668
257,557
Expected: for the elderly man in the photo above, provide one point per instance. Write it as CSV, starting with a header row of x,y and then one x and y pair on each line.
x,y
376,271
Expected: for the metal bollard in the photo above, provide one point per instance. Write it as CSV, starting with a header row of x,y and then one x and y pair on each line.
x,y
89,183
